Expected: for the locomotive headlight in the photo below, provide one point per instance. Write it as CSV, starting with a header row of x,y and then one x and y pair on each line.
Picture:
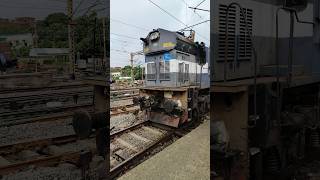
x,y
154,36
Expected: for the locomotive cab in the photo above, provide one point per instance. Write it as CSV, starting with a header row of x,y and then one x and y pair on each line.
x,y
174,60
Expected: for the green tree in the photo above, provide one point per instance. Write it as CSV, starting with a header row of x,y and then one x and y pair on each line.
x,y
53,32
20,50
126,71
137,72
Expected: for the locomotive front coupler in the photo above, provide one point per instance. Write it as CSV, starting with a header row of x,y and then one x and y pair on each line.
x,y
157,103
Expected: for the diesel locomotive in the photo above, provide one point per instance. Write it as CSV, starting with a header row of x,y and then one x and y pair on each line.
x,y
265,87
176,89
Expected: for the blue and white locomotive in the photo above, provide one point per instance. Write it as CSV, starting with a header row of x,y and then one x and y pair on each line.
x,y
174,60
177,81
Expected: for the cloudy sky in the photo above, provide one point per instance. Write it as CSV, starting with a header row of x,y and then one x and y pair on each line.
x,y
41,8
132,19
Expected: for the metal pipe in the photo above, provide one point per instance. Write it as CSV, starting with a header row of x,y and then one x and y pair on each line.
x,y
252,48
290,57
278,65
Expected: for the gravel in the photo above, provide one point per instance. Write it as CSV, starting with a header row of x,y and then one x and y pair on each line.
x,y
62,172
147,134
35,131
86,145
133,141
121,103
121,121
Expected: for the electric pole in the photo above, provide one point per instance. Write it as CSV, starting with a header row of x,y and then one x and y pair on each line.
x,y
131,61
71,38
35,35
104,42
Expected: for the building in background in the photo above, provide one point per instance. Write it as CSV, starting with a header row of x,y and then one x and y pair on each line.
x,y
18,40
24,20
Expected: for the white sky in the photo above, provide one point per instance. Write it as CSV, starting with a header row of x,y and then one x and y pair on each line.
x,y
146,16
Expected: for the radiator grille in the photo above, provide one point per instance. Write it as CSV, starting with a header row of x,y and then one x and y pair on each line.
x,y
239,43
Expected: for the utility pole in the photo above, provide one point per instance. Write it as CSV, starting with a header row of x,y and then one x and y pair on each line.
x,y
35,35
94,45
142,73
71,38
131,61
104,43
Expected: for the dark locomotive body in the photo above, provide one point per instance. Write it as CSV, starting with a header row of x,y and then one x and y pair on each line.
x,y
265,87
176,87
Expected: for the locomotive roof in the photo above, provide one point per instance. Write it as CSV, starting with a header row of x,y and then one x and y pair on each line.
x,y
175,34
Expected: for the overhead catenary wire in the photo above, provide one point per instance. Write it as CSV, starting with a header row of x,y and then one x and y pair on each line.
x,y
199,9
124,41
122,35
122,51
122,45
191,26
200,3
165,11
87,9
127,24
77,8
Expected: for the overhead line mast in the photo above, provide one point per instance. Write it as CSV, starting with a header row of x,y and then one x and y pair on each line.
x,y
71,38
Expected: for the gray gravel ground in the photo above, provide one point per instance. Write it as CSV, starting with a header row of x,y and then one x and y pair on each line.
x,y
64,171
35,131
120,103
125,120
122,120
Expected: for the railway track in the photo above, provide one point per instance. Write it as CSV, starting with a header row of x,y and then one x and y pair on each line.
x,y
12,161
130,145
71,157
124,109
56,114
42,88
26,107
123,94
40,114
31,99
30,104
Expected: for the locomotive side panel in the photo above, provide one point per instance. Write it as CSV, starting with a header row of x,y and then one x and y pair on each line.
x,y
238,61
